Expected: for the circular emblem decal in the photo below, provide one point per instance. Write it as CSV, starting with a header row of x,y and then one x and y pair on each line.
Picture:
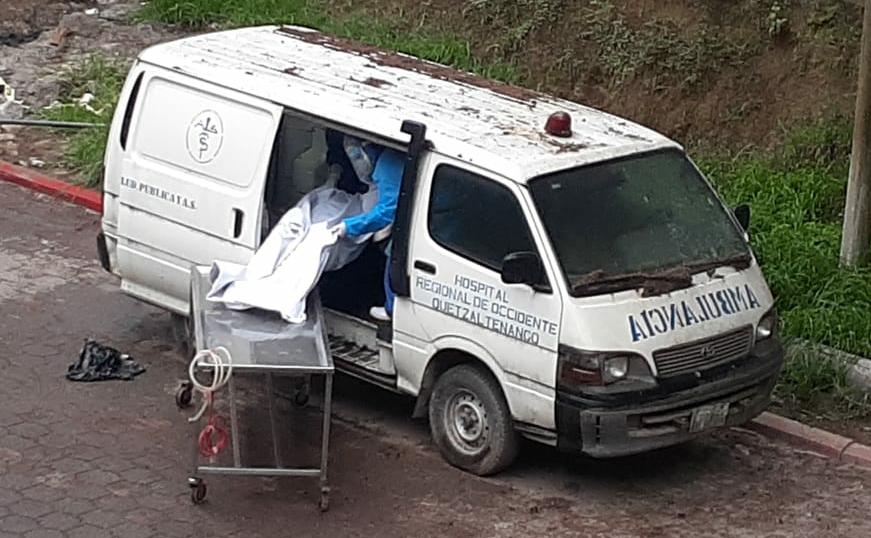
x,y
205,136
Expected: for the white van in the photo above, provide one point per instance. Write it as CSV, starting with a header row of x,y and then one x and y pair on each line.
x,y
561,274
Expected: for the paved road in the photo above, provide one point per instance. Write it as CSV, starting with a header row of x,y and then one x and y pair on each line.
x,y
109,459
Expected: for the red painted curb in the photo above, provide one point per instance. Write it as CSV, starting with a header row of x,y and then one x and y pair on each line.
x,y
826,443
858,454
32,179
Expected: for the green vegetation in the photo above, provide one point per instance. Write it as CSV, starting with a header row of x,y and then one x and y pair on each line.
x,y
519,18
619,49
683,59
356,24
813,382
797,197
101,77
833,23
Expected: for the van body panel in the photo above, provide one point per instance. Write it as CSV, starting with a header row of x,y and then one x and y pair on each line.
x,y
191,180
159,284
207,143
139,254
413,346
479,121
515,327
529,402
110,213
626,321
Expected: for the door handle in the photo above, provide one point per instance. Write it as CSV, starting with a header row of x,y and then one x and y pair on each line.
x,y
238,218
426,267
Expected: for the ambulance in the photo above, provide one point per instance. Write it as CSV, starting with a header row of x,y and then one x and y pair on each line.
x,y
561,274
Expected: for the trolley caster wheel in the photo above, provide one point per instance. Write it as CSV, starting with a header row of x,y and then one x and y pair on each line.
x,y
300,399
324,504
184,395
198,492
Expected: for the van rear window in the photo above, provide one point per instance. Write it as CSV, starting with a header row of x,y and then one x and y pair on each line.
x,y
128,112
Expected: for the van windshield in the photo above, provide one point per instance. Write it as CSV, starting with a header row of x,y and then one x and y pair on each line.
x,y
648,221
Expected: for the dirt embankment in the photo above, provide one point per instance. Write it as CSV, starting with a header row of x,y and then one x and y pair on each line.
x,y
711,71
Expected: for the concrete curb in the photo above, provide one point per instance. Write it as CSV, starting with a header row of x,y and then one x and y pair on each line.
x,y
31,179
858,368
829,444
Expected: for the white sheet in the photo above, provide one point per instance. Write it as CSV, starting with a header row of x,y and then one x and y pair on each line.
x,y
289,263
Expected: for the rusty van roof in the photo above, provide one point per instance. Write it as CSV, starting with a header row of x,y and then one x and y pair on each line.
x,y
497,126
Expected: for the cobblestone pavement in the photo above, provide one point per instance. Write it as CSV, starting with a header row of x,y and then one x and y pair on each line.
x,y
110,459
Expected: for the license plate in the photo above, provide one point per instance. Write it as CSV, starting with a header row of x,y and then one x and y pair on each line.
x,y
709,416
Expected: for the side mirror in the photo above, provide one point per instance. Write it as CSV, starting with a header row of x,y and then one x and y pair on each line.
x,y
522,268
742,213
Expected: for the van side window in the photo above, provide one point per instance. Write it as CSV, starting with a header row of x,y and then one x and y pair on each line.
x,y
128,112
476,217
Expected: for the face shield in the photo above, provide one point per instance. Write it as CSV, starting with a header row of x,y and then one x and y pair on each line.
x,y
362,155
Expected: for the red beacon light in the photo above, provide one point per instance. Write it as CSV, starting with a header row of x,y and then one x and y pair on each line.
x,y
559,124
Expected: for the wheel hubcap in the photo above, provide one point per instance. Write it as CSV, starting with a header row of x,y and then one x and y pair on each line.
x,y
467,422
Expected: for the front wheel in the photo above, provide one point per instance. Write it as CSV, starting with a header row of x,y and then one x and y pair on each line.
x,y
470,421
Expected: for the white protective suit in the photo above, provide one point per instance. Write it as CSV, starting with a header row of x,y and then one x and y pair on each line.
x,y
289,263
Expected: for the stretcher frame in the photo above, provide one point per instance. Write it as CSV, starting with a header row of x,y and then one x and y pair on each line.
x,y
208,335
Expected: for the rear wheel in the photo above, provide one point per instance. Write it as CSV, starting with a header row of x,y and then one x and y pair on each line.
x,y
470,421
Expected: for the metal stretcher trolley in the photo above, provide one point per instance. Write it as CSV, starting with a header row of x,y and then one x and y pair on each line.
x,y
261,343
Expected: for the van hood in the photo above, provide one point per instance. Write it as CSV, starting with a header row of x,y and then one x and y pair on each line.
x,y
626,321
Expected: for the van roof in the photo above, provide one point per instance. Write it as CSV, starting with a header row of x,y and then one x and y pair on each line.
x,y
487,123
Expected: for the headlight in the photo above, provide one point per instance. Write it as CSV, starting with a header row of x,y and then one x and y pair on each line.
x,y
578,368
767,326
615,369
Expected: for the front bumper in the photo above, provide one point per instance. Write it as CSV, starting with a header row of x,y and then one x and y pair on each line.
x,y
635,422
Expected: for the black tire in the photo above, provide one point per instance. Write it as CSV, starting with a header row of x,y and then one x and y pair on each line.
x,y
470,421
184,395
198,493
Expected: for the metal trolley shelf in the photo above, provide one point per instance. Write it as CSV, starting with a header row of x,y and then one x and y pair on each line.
x,y
261,343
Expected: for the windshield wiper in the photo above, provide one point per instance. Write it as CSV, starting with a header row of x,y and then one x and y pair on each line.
x,y
655,283
737,261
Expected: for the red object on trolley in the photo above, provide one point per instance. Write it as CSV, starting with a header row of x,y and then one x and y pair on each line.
x,y
213,439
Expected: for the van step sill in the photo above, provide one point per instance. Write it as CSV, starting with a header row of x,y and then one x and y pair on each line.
x,y
365,374
360,361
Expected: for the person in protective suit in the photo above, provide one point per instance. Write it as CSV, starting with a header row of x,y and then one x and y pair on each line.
x,y
386,173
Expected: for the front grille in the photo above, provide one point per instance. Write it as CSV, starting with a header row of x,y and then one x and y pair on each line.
x,y
703,354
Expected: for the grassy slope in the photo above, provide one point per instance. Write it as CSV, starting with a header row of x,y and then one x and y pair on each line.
x,y
102,78
797,196
356,24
